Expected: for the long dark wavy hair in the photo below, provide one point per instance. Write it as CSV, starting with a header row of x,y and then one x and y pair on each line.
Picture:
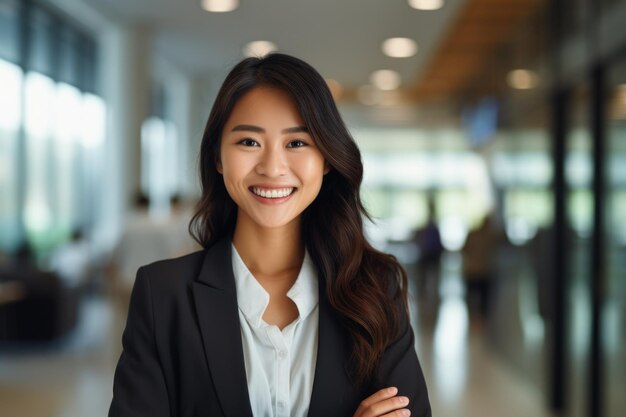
x,y
367,288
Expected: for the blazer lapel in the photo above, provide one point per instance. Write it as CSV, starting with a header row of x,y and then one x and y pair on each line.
x,y
332,388
215,299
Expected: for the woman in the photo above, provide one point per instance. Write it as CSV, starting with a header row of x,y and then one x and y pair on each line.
x,y
288,311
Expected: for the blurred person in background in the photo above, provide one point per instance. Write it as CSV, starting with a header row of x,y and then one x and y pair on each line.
x,y
147,239
430,251
478,253
288,310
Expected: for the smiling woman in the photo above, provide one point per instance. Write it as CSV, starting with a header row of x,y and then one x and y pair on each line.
x,y
288,311
268,157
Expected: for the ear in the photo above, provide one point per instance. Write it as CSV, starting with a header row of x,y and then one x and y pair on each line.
x,y
218,164
327,167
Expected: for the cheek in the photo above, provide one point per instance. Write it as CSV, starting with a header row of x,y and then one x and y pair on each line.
x,y
234,170
312,168
232,181
234,165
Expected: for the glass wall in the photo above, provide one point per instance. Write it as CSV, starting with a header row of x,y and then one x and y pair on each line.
x,y
579,228
11,78
613,313
594,228
51,128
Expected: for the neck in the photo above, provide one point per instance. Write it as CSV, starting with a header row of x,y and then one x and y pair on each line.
x,y
269,252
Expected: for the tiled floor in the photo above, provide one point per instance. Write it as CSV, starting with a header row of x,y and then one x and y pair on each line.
x,y
466,378
464,374
73,379
70,379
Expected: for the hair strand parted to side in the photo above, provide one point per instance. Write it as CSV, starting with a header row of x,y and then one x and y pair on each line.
x,y
365,287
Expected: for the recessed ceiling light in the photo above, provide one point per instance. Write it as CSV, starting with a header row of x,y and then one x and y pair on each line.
x,y
385,79
426,4
259,48
522,79
220,6
399,47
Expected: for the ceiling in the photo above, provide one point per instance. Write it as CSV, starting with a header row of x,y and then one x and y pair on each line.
x,y
341,38
481,28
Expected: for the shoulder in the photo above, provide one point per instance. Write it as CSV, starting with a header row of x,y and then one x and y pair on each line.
x,y
173,272
190,260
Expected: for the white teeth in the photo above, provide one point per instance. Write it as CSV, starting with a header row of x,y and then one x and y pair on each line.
x,y
276,193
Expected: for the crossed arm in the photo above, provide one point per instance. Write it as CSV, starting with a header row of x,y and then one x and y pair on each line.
x,y
384,403
400,368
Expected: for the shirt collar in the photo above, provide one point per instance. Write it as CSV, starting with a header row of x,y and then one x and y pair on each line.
x,y
253,299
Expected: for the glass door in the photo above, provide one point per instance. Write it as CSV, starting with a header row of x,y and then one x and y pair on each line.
x,y
613,314
578,231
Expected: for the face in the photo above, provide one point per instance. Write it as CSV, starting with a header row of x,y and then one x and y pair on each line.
x,y
271,167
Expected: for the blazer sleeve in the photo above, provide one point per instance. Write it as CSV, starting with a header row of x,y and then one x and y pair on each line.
x,y
139,387
400,368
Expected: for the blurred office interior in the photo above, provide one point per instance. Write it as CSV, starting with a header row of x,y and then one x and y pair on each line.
x,y
493,135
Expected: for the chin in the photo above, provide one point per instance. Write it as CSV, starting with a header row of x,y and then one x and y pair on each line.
x,y
274,224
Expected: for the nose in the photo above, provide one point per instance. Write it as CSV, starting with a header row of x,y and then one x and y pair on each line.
x,y
272,163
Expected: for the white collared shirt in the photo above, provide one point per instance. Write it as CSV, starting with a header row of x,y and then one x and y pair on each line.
x,y
280,365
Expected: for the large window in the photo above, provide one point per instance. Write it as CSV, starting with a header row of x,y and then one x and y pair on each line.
x,y
10,116
51,127
11,77
158,163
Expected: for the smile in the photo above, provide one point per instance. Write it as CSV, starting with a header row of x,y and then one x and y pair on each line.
x,y
273,193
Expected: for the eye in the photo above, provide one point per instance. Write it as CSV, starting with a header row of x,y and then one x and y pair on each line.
x,y
297,144
249,142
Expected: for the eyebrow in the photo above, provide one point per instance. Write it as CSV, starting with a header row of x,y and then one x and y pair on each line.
x,y
258,129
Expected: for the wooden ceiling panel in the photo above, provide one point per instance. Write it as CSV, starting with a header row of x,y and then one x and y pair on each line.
x,y
482,26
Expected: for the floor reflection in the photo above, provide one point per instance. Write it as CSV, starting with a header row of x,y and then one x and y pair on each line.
x,y
450,344
465,374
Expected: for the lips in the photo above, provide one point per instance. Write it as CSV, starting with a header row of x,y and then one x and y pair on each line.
x,y
272,192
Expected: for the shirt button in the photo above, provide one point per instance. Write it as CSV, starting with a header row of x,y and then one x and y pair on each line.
x,y
282,354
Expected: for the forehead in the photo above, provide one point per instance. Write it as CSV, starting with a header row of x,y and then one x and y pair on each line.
x,y
265,105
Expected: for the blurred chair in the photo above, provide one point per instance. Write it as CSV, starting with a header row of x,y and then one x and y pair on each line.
x,y
35,305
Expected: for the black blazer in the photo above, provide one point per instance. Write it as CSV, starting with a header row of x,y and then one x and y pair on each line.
x,y
182,352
